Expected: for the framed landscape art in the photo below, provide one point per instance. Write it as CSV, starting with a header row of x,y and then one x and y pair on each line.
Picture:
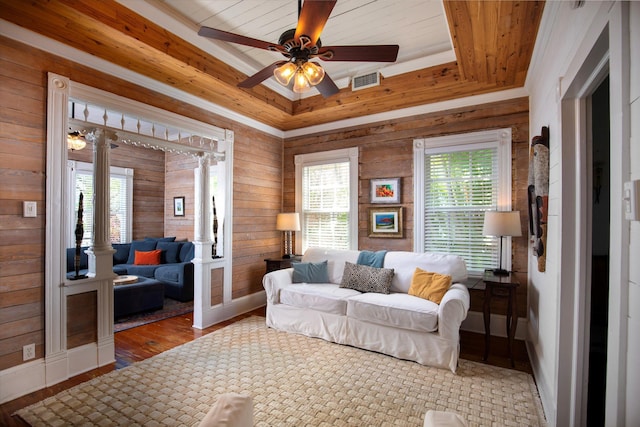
x,y
178,206
386,222
385,190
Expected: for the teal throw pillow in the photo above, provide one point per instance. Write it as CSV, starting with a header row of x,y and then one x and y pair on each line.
x,y
310,272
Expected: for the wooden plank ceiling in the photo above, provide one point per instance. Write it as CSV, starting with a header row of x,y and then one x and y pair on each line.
x,y
493,41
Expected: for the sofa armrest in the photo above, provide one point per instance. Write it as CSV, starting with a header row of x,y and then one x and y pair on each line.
x,y
452,311
276,280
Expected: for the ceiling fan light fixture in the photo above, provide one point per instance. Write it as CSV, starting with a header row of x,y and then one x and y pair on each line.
x,y
76,141
284,73
300,82
313,72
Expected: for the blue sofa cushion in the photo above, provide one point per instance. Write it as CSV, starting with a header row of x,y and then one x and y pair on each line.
x,y
162,239
121,256
142,246
169,274
142,270
170,251
120,269
186,252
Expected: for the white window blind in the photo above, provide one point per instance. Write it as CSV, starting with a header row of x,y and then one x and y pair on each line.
x,y
327,199
457,179
121,198
325,206
459,187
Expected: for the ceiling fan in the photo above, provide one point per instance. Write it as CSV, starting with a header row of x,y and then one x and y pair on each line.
x,y
300,45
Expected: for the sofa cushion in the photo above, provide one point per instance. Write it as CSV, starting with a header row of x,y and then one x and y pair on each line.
x,y
121,256
397,310
405,263
428,285
326,297
161,239
366,279
310,272
170,251
147,258
187,251
169,273
142,246
142,270
335,260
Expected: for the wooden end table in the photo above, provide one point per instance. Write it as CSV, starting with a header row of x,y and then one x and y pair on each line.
x,y
274,264
500,286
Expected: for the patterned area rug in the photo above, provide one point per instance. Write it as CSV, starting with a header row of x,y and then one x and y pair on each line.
x,y
171,308
294,381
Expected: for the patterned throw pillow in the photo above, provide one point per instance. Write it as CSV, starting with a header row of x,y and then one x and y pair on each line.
x,y
366,279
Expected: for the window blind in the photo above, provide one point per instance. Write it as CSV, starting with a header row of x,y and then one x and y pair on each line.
x,y
325,205
459,187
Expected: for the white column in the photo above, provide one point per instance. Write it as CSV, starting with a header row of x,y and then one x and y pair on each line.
x,y
202,258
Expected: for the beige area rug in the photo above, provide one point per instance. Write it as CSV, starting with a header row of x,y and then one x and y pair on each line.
x,y
294,381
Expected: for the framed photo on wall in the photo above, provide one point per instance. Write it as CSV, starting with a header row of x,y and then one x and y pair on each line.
x,y
178,206
386,222
385,190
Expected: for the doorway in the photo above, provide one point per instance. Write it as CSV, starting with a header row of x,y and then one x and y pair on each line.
x,y
600,233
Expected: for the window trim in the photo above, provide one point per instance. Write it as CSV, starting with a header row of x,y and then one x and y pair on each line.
x,y
500,138
326,157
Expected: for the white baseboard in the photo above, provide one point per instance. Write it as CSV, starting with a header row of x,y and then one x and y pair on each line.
x,y
475,323
22,379
222,312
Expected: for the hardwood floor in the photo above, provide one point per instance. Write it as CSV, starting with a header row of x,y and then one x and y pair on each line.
x,y
136,344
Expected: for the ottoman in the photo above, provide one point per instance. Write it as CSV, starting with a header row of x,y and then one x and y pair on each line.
x,y
144,295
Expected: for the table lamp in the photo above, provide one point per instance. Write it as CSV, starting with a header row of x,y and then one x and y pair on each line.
x,y
288,222
501,224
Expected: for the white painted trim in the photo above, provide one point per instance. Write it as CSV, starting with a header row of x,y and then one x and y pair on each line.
x,y
21,379
235,307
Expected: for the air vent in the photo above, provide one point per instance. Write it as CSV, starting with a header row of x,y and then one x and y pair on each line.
x,y
365,81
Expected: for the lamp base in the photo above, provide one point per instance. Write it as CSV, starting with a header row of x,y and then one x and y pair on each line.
x,y
500,272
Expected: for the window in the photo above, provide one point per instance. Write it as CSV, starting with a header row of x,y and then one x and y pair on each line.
x,y
121,201
326,198
459,178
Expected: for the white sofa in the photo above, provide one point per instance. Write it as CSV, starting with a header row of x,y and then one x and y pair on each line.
x,y
397,324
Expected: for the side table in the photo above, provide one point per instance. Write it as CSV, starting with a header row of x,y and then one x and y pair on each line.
x,y
274,264
500,286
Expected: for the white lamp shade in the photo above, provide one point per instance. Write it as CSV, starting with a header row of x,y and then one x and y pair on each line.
x,y
288,222
500,223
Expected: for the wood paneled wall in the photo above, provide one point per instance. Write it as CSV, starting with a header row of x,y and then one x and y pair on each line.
x,y
386,150
23,93
148,185
179,183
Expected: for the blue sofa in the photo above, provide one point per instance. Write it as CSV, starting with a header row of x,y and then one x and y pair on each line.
x,y
175,270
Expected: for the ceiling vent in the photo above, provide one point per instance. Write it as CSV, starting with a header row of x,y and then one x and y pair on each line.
x,y
365,80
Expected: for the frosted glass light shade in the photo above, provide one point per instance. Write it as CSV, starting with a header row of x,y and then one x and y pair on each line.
x,y
313,72
300,82
284,73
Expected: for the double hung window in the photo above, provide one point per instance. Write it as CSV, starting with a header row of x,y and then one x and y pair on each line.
x,y
326,198
458,179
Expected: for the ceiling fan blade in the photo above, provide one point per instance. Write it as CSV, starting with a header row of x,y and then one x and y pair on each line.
x,y
373,53
313,17
327,87
225,36
261,75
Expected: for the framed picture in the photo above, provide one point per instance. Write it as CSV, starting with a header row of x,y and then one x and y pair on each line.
x,y
385,190
386,222
178,206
